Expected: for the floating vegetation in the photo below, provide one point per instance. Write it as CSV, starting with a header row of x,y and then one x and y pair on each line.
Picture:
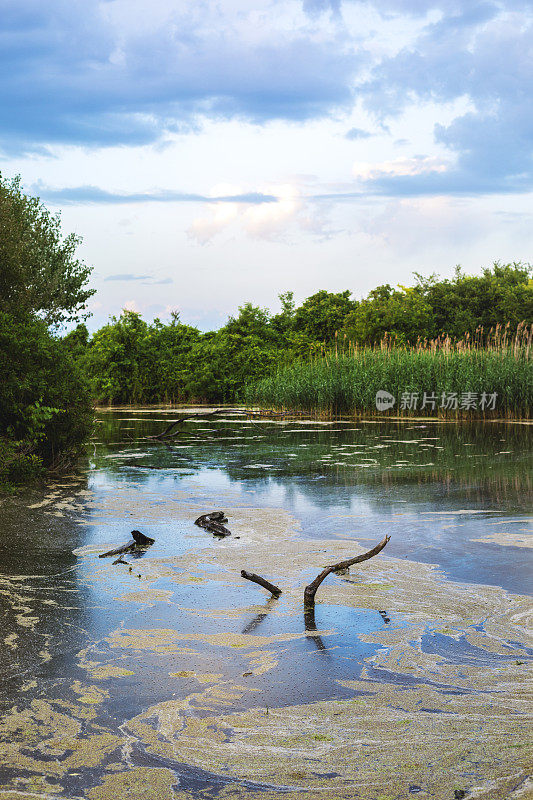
x,y
190,682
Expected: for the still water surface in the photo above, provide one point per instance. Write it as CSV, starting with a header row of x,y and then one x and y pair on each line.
x,y
454,496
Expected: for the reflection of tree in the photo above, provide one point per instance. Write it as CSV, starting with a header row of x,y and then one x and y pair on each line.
x,y
262,615
466,458
310,625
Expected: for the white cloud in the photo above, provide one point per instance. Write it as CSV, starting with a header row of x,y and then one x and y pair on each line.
x,y
270,221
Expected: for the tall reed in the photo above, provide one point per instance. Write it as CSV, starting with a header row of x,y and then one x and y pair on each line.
x,y
344,379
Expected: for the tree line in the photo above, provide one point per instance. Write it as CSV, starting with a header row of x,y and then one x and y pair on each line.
x,y
132,361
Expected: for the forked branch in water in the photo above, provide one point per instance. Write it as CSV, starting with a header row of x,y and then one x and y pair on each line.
x,y
310,591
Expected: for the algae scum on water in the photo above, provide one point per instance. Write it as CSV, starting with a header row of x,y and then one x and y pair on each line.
x,y
172,677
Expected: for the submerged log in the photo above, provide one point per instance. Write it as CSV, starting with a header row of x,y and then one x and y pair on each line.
x,y
310,591
251,576
140,542
214,523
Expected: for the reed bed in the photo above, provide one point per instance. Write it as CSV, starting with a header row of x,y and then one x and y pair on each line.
x,y
344,379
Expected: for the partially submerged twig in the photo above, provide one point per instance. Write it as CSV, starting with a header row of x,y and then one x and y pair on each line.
x,y
179,421
140,542
310,591
213,522
251,576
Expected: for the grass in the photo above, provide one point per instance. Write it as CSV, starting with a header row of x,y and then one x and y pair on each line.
x,y
345,379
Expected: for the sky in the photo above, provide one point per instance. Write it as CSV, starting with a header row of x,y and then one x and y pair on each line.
x,y
214,153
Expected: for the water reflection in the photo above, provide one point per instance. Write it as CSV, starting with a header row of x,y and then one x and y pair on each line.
x,y
104,642
437,488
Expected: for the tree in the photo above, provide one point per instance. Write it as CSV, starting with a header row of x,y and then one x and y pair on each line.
x,y
403,313
39,272
501,294
45,408
241,352
322,314
169,358
117,357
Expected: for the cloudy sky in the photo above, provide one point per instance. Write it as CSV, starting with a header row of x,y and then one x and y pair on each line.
x,y
211,153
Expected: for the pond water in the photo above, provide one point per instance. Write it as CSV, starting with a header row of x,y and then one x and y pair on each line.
x,y
107,668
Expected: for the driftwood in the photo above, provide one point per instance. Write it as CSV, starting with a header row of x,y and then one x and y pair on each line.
x,y
251,576
168,434
310,591
120,560
180,420
214,523
140,542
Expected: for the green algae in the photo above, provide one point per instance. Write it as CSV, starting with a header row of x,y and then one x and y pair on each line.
x,y
140,783
369,747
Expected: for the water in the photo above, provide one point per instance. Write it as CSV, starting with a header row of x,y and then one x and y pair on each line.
x,y
103,643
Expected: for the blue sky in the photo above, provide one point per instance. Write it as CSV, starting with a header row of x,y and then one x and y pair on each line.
x,y
212,153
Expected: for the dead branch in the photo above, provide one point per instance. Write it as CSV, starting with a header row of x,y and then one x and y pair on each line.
x,y
251,576
140,542
310,591
214,523
179,421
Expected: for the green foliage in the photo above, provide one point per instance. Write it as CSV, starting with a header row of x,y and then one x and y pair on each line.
x,y
18,464
39,272
115,359
345,383
404,313
130,361
243,351
465,302
323,314
45,408
454,307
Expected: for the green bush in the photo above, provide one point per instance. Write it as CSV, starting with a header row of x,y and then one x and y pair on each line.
x,y
17,463
45,407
